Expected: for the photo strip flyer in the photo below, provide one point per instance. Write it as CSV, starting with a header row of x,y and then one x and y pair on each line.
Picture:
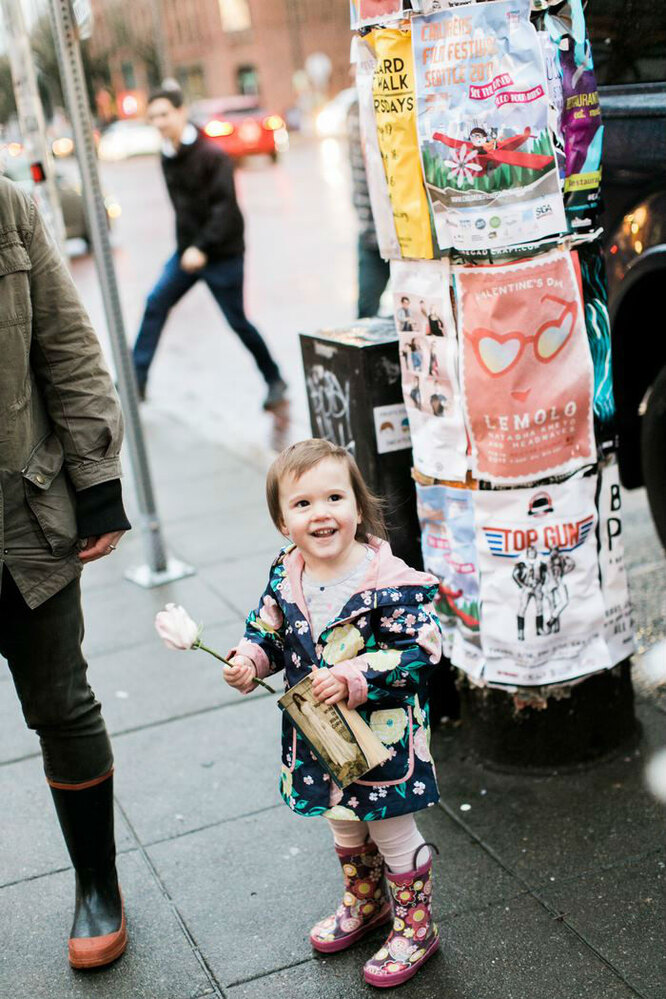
x,y
429,367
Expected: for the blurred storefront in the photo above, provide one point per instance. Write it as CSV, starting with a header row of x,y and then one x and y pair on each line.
x,y
222,47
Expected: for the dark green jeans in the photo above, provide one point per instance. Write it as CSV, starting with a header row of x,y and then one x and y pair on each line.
x,y
43,650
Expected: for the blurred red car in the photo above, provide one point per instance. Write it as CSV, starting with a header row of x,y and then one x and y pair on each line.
x,y
240,127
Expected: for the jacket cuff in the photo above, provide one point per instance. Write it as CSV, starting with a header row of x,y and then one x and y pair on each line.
x,y
100,510
90,473
254,652
357,685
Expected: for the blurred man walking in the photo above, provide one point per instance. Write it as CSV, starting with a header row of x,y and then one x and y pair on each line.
x,y
209,238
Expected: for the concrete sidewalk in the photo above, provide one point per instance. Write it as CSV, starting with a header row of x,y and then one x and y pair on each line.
x,y
547,887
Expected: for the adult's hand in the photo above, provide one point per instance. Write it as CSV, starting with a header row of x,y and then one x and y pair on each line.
x,y
100,546
193,260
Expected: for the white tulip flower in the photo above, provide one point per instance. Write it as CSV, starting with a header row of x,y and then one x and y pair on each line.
x,y
176,628
179,632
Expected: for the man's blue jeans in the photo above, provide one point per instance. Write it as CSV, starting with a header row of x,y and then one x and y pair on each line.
x,y
225,280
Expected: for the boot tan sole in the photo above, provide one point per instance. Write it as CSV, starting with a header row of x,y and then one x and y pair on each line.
x,y
95,952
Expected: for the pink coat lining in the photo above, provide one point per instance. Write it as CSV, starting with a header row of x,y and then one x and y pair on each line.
x,y
255,653
387,570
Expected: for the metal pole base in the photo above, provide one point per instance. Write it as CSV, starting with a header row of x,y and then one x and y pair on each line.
x,y
564,728
148,578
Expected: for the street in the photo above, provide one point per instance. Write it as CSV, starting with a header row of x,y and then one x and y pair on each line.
x,y
300,276
546,886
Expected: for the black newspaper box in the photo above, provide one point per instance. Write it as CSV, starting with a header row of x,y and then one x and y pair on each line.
x,y
352,376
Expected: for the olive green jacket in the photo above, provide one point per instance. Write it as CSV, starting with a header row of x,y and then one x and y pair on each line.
x,y
60,420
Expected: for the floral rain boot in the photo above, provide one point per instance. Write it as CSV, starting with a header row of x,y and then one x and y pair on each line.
x,y
364,906
414,937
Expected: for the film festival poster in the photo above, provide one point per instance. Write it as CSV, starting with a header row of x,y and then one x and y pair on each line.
x,y
428,364
619,627
488,158
382,211
395,119
543,613
526,369
448,543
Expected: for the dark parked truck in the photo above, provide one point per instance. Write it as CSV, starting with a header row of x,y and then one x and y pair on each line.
x,y
629,47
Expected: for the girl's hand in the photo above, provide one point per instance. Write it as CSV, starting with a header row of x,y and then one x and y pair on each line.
x,y
328,688
240,674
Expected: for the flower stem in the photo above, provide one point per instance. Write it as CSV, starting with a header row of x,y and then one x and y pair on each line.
x,y
255,679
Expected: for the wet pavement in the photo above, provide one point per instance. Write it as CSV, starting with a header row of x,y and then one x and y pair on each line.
x,y
548,885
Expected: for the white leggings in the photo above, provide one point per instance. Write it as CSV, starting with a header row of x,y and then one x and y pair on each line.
x,y
398,839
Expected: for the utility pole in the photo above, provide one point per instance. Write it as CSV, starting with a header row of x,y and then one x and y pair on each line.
x,y
31,119
159,568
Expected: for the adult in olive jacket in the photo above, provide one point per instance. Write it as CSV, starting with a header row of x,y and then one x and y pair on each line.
x,y
61,505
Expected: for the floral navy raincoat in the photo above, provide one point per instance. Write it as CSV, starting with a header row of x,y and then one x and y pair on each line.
x,y
385,643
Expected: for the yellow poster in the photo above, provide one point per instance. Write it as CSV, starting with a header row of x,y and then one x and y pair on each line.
x,y
395,114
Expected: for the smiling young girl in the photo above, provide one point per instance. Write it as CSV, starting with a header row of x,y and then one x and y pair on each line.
x,y
338,602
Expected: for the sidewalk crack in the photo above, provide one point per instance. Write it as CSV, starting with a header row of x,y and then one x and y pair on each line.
x,y
212,825
552,912
267,974
217,989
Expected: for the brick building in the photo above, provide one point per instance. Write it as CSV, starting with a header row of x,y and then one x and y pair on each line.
x,y
221,47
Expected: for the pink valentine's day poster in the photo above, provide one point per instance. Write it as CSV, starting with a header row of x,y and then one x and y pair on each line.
x,y
526,369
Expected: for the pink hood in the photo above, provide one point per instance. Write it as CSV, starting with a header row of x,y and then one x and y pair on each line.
x,y
386,570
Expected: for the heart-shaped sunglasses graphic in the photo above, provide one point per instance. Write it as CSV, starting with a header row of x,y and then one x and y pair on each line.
x,y
500,352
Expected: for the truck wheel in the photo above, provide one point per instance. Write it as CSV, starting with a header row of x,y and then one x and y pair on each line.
x,y
653,452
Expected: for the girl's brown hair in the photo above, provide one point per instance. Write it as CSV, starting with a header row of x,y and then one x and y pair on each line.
x,y
300,458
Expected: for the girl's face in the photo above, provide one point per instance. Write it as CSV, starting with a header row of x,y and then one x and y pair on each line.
x,y
320,514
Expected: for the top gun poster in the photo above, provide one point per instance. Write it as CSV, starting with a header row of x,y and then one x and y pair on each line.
x,y
543,617
482,108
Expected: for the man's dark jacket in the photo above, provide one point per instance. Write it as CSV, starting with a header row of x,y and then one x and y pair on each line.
x,y
200,182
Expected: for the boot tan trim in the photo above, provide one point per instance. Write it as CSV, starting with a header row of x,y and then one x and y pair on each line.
x,y
80,787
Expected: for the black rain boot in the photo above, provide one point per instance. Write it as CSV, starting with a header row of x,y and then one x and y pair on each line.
x,y
521,628
99,934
